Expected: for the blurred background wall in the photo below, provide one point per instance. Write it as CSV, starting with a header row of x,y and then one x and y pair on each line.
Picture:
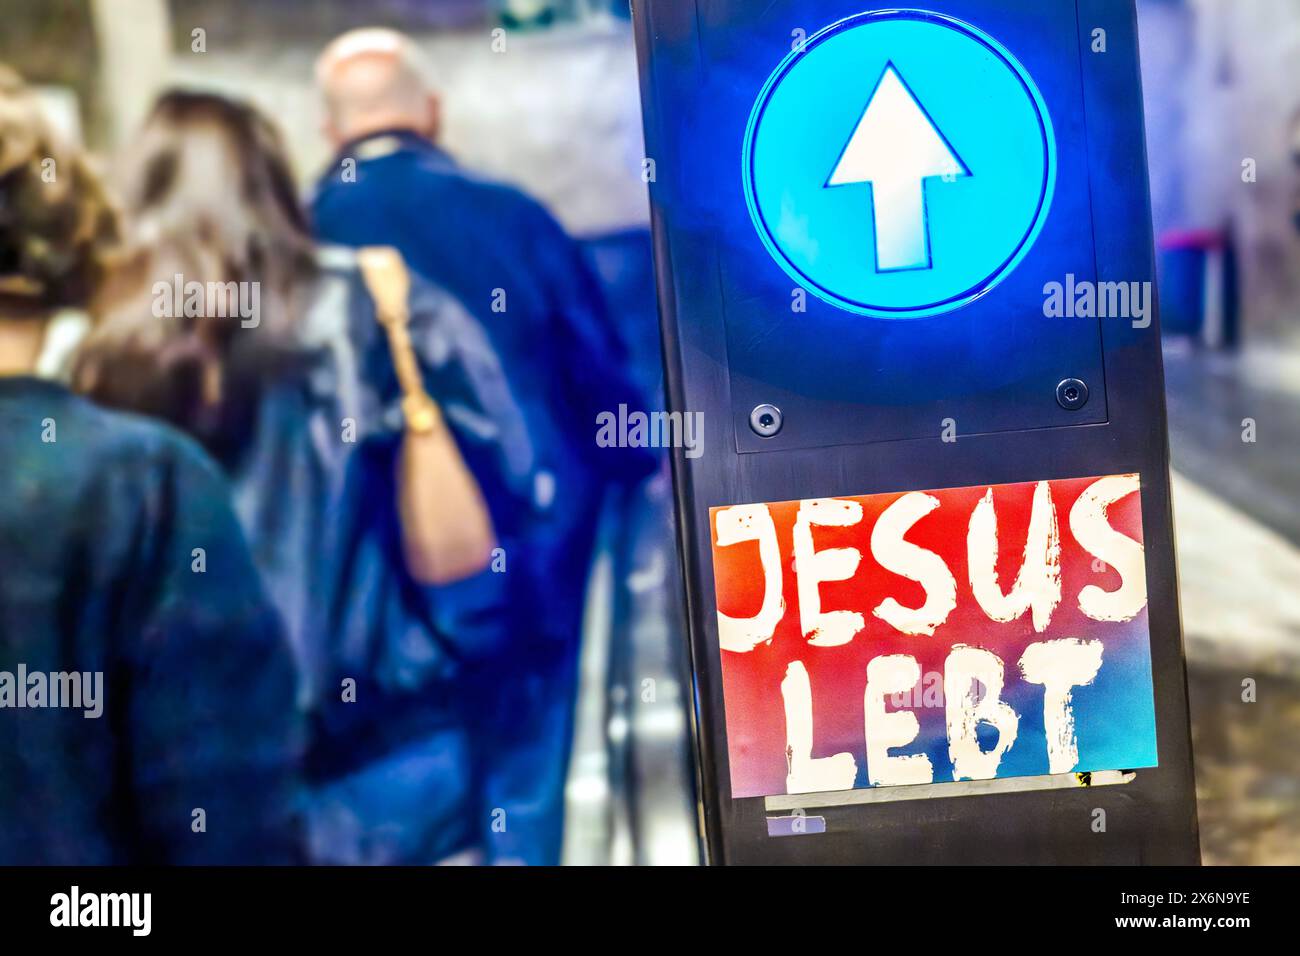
x,y
550,101
1222,87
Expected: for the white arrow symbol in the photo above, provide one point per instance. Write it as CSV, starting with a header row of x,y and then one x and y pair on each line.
x,y
896,147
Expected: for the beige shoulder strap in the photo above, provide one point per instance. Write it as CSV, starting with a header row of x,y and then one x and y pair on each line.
x,y
388,281
389,285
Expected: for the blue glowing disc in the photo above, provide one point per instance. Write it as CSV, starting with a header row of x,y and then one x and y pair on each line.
x,y
899,163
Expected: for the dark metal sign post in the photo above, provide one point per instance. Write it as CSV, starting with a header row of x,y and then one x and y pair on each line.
x,y
905,273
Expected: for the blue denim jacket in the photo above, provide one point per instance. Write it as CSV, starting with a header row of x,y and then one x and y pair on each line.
x,y
120,556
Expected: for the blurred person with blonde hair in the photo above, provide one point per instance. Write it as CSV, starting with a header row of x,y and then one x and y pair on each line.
x,y
146,687
362,421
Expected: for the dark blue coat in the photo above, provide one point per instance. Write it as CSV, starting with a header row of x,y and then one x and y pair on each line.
x,y
526,281
533,292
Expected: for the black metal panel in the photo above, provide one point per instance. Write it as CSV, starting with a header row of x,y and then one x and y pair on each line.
x,y
701,62
992,366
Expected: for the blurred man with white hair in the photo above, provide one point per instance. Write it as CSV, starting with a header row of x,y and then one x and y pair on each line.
x,y
373,81
514,268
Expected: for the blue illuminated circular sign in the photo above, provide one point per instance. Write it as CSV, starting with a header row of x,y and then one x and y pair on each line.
x,y
899,163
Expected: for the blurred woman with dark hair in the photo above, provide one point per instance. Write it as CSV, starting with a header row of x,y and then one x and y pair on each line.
x,y
361,416
146,689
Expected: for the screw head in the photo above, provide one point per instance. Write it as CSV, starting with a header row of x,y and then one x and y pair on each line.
x,y
1072,394
765,420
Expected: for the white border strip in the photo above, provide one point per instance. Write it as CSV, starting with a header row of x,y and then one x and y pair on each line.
x,y
930,791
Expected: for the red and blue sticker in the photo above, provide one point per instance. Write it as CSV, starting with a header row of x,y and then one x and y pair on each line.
x,y
934,636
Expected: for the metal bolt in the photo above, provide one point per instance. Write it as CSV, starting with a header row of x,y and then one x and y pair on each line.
x,y
765,420
1072,394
